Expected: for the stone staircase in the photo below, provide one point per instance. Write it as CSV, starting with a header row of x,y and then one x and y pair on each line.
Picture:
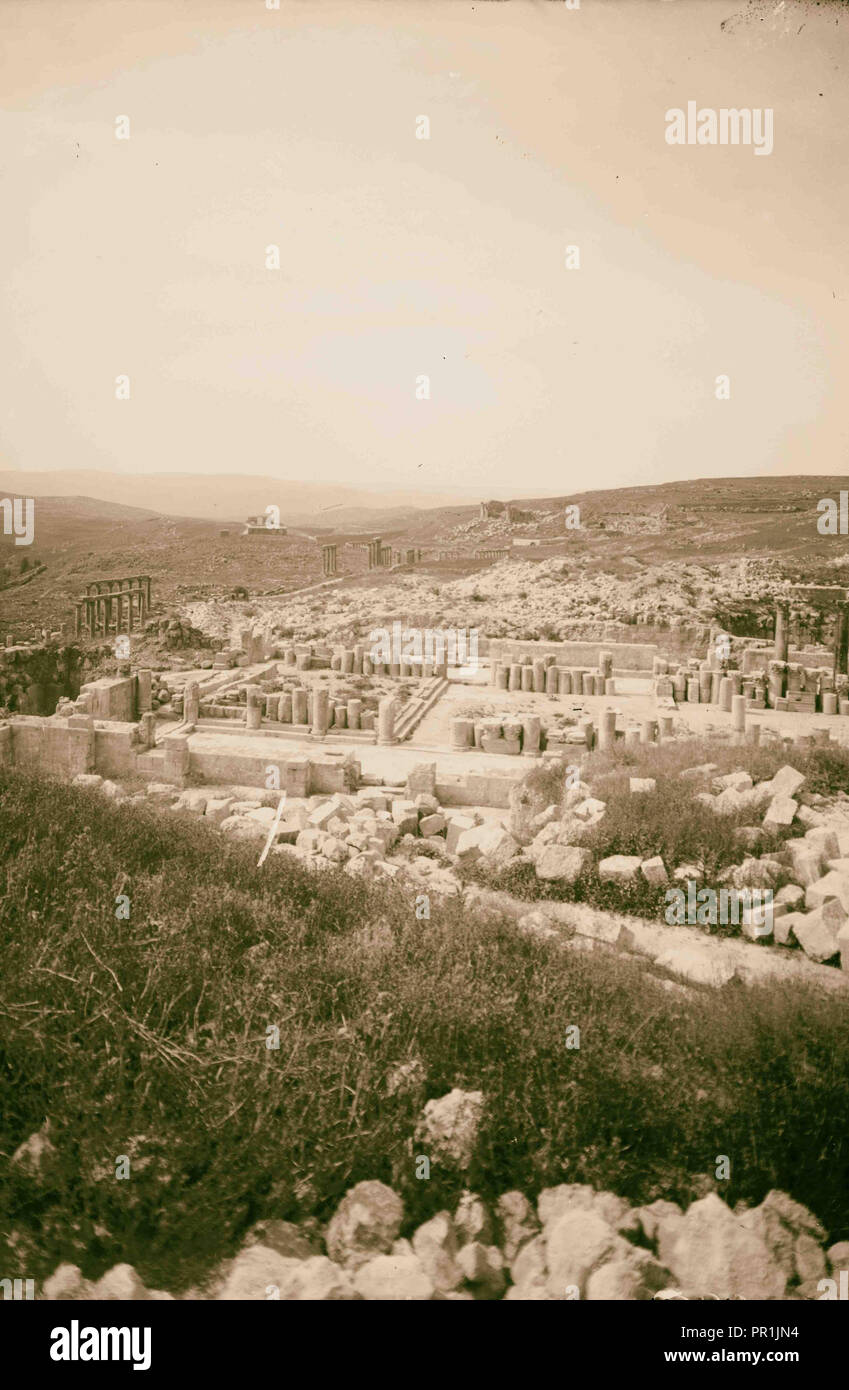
x,y
421,704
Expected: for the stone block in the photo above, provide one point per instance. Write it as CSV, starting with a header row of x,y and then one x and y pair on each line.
x,y
619,868
782,810
654,871
456,827
562,863
787,781
832,885
818,932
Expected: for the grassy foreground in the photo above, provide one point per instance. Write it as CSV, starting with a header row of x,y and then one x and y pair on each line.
x,y
146,1037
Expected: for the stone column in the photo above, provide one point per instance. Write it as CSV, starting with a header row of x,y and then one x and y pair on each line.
x,y
725,694
299,705
176,764
320,711
840,635
143,689
515,682
148,729
539,675
647,731
632,737
80,744
253,713
665,723
531,730
191,702
607,728
386,720
527,677
782,631
551,680
355,708
738,712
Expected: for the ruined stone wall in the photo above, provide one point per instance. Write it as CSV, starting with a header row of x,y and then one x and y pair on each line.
x,y
34,676
629,656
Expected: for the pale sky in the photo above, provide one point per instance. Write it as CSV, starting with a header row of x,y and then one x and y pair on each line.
x,y
403,257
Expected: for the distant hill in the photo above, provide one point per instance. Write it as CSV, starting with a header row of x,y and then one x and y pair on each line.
x,y
226,497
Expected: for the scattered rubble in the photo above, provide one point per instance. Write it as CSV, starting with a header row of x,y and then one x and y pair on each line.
x,y
577,1243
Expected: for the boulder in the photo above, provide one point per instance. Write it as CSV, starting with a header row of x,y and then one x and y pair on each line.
x,y
838,1255
317,1280
619,868
739,781
654,871
716,1254
563,863
283,1236
817,932
635,1275
120,1284
490,842
805,861
472,1220
517,1222
448,1127
576,1244
827,841
832,885
456,827
256,1273
393,1279
366,1222
66,1284
435,1245
482,1266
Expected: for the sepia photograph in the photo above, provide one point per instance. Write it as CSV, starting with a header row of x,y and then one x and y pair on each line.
x,y
424,672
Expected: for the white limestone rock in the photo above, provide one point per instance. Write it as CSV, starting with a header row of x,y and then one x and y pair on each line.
x,y
715,1253
366,1222
393,1279
619,868
654,871
449,1125
563,863
782,810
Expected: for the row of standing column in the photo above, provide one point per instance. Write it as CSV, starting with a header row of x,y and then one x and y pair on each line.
x,y
107,612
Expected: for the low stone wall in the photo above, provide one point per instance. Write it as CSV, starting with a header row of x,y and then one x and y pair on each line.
x,y
64,747
627,656
112,697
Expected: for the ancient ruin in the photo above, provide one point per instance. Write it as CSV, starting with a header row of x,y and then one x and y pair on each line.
x,y
113,605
